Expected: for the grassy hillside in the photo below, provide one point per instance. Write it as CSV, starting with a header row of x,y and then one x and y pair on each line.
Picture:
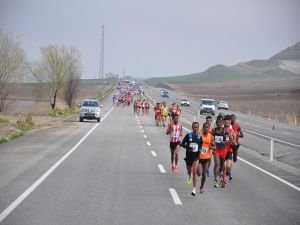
x,y
271,69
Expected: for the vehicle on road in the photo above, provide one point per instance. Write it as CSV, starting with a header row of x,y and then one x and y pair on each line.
x,y
207,106
164,94
90,109
223,105
185,102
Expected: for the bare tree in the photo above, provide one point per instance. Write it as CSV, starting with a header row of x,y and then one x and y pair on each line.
x,y
56,66
73,75
12,61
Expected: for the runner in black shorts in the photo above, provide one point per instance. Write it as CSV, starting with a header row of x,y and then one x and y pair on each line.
x,y
192,142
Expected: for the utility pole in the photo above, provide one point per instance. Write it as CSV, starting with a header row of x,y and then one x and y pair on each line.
x,y
101,69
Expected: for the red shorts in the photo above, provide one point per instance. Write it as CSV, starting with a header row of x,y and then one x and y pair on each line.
x,y
220,152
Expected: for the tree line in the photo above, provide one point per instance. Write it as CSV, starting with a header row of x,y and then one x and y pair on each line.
x,y
59,69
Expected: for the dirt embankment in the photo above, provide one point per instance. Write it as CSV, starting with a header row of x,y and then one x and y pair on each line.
x,y
279,100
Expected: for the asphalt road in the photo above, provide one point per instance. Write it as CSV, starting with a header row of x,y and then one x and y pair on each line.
x,y
259,131
119,173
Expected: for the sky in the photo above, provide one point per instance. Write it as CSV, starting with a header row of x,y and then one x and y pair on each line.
x,y
156,37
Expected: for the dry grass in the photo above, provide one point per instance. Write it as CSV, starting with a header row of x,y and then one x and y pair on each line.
x,y
279,100
32,99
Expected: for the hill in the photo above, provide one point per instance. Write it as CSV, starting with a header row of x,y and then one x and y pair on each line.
x,y
284,65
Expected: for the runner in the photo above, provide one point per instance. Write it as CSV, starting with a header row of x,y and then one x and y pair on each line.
x,y
175,131
205,153
173,111
164,113
192,143
239,134
208,120
137,107
230,142
157,110
219,153
143,106
147,107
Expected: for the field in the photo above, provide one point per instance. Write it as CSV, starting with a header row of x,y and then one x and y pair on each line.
x,y
279,99
32,101
33,98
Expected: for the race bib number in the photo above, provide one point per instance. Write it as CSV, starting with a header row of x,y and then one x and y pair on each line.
x,y
227,138
218,139
175,135
204,150
194,147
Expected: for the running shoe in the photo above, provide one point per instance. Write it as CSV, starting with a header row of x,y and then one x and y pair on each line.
x,y
201,190
229,176
173,169
207,173
189,180
225,180
176,169
216,185
193,193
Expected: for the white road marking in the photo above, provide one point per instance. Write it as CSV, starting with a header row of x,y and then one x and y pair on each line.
x,y
175,196
153,153
145,136
161,168
141,127
26,193
270,174
142,131
148,143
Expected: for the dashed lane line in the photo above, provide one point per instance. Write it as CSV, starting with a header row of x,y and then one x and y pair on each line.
x,y
175,196
148,143
161,168
145,136
153,153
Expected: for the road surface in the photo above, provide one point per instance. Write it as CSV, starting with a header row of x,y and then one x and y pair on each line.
x,y
118,172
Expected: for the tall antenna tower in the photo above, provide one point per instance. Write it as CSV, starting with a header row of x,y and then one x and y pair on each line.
x,y
101,70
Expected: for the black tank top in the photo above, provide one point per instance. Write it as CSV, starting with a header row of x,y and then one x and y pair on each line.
x,y
219,137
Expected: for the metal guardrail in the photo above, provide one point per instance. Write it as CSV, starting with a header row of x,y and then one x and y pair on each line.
x,y
272,140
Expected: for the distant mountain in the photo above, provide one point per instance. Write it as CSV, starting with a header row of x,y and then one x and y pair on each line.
x,y
290,53
284,65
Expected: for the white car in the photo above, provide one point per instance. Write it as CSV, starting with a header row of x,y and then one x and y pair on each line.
x,y
90,109
185,102
223,105
207,106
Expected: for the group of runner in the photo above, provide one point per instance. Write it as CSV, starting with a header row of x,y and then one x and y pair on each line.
x,y
141,104
220,142
163,114
125,94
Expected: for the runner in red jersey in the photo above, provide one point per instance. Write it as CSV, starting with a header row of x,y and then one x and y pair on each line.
x,y
230,141
175,132
238,130
219,153
157,111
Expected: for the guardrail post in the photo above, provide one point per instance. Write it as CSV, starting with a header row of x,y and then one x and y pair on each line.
x,y
272,150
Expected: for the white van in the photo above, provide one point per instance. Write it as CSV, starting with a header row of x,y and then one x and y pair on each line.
x,y
207,106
